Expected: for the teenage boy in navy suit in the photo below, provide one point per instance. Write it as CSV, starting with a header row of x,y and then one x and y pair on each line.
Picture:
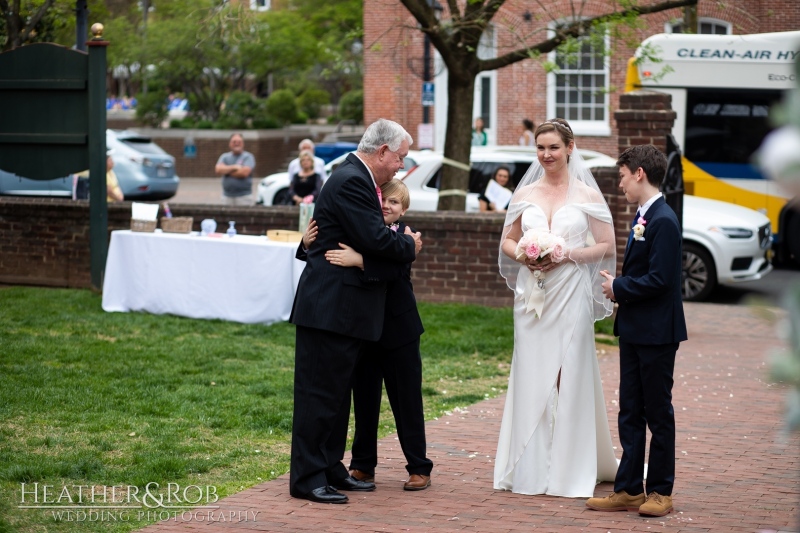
x,y
650,325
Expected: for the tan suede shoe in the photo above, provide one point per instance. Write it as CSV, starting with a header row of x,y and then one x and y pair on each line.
x,y
656,505
362,476
417,482
617,501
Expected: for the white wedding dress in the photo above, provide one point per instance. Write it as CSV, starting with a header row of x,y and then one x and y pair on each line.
x,y
555,441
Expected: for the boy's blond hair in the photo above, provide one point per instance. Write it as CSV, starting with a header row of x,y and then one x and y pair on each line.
x,y
399,189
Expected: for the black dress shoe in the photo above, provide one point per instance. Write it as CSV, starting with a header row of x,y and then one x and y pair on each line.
x,y
325,495
351,483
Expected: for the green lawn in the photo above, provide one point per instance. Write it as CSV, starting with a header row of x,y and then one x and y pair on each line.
x,y
125,399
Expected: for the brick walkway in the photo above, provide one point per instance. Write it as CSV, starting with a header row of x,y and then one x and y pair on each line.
x,y
736,472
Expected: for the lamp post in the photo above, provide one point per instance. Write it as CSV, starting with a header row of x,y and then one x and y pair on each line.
x,y
81,18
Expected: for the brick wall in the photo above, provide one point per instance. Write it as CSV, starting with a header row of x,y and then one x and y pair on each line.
x,y
46,242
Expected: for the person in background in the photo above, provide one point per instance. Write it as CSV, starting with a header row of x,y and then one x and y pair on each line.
x,y
113,192
80,183
319,164
502,175
479,137
236,168
527,138
306,182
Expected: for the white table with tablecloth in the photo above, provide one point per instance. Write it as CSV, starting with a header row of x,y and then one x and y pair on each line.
x,y
244,278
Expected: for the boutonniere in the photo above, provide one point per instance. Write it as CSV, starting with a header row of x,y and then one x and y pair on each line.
x,y
394,227
638,229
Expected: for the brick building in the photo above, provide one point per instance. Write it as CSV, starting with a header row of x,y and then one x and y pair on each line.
x,y
394,50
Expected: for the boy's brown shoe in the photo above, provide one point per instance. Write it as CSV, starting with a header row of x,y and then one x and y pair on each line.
x,y
362,476
617,501
656,505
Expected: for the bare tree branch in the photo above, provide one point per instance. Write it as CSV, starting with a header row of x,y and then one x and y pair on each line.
x,y
574,30
34,20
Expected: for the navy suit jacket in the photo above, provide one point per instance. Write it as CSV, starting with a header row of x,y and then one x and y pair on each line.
x,y
401,321
345,300
649,290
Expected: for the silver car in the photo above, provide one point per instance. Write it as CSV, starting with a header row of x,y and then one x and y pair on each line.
x,y
143,169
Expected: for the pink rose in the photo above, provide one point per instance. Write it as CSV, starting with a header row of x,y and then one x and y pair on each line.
x,y
641,221
558,253
308,199
532,250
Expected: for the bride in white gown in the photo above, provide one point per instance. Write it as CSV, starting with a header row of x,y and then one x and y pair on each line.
x,y
554,437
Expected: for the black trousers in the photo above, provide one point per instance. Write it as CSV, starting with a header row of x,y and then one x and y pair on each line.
x,y
324,366
645,401
401,370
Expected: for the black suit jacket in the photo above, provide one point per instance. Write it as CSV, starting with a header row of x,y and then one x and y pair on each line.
x,y
401,321
649,290
344,300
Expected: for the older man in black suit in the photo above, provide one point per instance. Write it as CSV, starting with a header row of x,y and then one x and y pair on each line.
x,y
337,309
650,325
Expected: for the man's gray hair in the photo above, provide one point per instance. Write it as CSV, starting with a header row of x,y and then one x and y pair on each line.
x,y
381,132
305,141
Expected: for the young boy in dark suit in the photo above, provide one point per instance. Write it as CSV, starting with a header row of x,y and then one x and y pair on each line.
x,y
394,359
650,325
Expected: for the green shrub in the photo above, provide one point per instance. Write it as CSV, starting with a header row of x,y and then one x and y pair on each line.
x,y
239,109
282,106
151,109
301,118
351,106
230,122
204,124
333,119
185,123
265,122
188,122
312,100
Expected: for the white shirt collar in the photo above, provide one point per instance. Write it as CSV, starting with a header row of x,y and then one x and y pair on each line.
x,y
643,209
368,169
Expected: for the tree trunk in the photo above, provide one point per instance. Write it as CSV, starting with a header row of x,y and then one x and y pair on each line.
x,y
457,142
14,25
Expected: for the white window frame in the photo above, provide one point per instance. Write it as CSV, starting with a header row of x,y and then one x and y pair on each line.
x,y
600,128
487,49
670,26
255,7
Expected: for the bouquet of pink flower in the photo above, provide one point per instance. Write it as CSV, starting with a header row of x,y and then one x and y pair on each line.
x,y
538,243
